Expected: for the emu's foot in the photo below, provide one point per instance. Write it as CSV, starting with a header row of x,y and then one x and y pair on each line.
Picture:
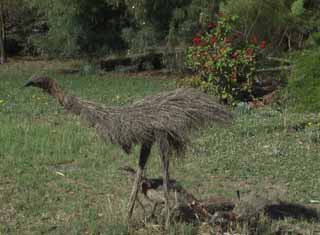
x,y
153,219
167,224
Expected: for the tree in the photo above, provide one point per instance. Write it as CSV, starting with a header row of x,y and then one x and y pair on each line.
x,y
84,27
285,24
168,22
16,20
101,26
3,55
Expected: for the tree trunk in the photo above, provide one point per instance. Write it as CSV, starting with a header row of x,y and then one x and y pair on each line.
x,y
3,56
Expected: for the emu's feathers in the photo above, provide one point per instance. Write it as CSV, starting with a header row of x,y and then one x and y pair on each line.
x,y
172,114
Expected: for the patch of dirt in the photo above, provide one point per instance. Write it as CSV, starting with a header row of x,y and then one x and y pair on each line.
x,y
7,210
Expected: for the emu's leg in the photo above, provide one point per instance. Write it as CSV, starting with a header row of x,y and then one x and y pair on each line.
x,y
142,206
153,210
144,155
164,155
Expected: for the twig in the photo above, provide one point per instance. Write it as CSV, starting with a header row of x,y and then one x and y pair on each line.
x,y
275,69
278,59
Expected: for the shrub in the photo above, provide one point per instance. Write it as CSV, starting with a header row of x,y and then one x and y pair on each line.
x,y
87,27
141,40
88,69
304,84
223,64
284,23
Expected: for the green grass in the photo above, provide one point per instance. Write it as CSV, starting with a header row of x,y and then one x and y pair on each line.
x,y
304,82
58,177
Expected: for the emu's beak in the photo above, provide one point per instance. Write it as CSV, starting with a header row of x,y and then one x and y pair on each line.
x,y
28,83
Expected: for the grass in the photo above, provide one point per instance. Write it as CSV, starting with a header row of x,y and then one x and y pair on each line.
x,y
304,82
58,177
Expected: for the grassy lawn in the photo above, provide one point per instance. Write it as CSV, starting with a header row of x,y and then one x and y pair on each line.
x,y
58,177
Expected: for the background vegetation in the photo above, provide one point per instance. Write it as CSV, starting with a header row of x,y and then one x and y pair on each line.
x,y
86,27
100,28
58,177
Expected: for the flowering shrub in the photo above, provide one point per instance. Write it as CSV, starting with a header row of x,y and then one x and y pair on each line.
x,y
223,65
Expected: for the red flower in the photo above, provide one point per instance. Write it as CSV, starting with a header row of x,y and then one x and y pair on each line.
x,y
215,57
234,54
204,53
196,41
248,52
263,44
222,50
211,25
254,39
227,40
213,39
233,76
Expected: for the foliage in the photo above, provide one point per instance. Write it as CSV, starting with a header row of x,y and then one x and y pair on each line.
x,y
171,22
313,40
304,84
140,40
16,22
297,7
284,23
151,22
223,65
85,27
190,18
100,27
88,69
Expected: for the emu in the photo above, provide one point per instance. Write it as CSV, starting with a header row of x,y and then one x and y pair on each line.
x,y
165,119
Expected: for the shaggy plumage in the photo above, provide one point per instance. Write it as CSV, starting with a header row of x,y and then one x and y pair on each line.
x,y
166,119
172,113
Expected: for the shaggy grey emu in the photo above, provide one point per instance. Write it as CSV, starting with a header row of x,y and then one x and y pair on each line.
x,y
165,119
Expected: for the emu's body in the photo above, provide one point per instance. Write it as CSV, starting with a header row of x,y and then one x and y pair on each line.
x,y
165,119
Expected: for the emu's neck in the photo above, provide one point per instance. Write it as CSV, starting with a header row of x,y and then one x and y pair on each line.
x,y
70,103
56,92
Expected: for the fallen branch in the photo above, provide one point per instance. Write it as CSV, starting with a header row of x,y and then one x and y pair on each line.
x,y
275,69
137,62
278,59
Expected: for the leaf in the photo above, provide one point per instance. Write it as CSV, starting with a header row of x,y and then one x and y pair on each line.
x,y
297,8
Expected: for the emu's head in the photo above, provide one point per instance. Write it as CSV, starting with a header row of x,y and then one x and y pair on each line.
x,y
47,84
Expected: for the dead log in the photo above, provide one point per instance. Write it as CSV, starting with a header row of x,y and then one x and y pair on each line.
x,y
133,63
110,64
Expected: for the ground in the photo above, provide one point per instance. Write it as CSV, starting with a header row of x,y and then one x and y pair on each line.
x,y
58,177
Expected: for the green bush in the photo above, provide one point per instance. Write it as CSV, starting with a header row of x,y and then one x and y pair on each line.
x,y
224,65
304,84
284,23
86,27
141,40
266,18
88,69
313,40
